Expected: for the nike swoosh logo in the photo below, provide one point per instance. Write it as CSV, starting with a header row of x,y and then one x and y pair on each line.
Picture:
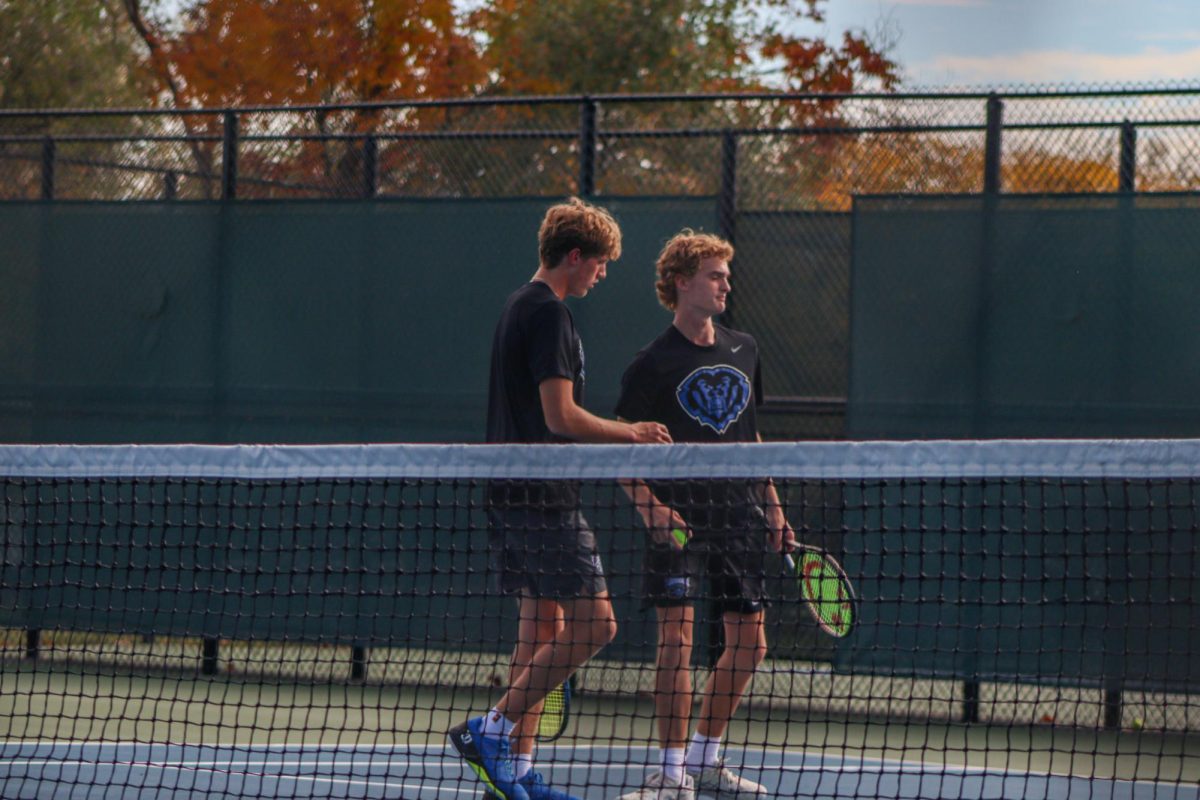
x,y
735,349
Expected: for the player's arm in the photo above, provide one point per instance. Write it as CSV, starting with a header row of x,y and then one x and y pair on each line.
x,y
659,518
782,537
565,418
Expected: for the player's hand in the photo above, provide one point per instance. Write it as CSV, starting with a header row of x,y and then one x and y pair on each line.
x,y
782,537
650,433
663,522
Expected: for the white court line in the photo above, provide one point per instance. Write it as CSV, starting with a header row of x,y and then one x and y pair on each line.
x,y
817,763
217,745
882,768
227,772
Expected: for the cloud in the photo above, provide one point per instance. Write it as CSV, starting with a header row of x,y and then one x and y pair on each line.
x,y
1172,36
1065,66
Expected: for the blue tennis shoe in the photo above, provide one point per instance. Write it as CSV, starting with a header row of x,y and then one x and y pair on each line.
x,y
490,757
537,788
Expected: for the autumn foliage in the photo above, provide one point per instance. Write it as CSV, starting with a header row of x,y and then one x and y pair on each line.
x,y
331,54
236,52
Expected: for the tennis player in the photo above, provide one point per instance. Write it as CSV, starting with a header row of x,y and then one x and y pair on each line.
x,y
540,546
703,381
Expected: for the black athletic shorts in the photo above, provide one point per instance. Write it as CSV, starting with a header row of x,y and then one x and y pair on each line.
x,y
732,560
543,553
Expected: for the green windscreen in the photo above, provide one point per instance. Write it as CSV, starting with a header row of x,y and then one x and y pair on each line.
x,y
1025,316
292,321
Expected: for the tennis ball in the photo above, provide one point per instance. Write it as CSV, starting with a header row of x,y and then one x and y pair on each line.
x,y
1138,723
680,537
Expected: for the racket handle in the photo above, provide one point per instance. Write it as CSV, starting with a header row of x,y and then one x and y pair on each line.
x,y
791,562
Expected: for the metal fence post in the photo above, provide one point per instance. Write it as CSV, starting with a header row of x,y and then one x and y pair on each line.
x,y
1127,178
992,184
210,656
991,155
587,147
1113,702
33,643
229,157
727,204
170,186
370,167
48,163
359,659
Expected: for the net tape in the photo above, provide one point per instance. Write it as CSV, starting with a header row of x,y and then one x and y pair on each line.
x,y
1128,458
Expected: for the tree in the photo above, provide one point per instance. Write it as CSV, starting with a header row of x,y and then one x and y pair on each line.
x,y
611,46
66,54
238,52
249,52
281,52
674,47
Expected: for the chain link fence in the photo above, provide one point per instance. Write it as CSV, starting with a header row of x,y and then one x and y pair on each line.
x,y
784,169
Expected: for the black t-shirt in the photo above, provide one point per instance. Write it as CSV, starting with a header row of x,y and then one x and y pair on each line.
x,y
702,394
535,339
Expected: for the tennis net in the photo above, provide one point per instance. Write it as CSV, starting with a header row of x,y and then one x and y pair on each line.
x,y
259,621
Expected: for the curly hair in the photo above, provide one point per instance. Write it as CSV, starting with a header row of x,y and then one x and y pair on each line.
x,y
576,224
681,257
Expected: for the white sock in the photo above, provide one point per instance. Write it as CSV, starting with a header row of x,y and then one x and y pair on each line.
x,y
702,752
672,764
497,725
524,764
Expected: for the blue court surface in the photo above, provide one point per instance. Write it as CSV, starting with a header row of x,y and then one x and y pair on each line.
x,y
82,771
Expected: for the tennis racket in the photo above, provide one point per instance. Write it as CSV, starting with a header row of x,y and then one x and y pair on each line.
x,y
555,711
825,589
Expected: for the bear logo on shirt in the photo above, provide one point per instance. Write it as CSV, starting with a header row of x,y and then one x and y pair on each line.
x,y
715,396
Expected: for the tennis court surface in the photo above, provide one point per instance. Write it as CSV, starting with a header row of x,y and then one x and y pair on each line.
x,y
195,621
105,771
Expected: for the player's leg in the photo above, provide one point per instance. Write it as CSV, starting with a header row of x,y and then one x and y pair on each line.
x,y
512,537
668,586
745,648
673,678
540,620
560,562
588,625
738,581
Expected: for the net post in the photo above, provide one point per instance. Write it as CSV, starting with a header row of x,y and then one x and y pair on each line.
x,y
360,656
970,706
209,657
33,644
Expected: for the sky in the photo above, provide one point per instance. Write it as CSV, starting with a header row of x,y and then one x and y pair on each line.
x,y
975,43
1013,42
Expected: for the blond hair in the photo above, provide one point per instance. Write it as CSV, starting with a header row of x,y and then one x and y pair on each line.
x,y
573,224
681,257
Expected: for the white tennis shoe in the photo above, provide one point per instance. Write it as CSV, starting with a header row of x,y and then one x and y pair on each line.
x,y
723,783
659,787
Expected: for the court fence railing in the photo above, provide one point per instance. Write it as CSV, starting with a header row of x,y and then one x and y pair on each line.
x,y
780,167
